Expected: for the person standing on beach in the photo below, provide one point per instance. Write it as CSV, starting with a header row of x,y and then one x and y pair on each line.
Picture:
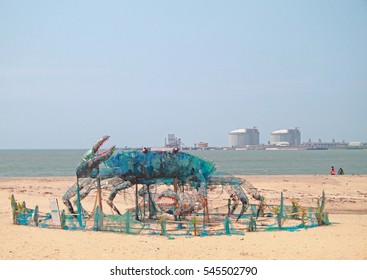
x,y
332,171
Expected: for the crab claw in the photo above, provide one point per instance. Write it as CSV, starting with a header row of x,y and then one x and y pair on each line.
x,y
92,158
99,143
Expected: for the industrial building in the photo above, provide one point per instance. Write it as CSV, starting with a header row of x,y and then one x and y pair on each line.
x,y
202,145
242,137
286,137
173,142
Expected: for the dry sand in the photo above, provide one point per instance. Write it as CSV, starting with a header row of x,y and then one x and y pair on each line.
x,y
345,239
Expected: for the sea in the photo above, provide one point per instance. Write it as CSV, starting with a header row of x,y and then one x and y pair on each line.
x,y
33,163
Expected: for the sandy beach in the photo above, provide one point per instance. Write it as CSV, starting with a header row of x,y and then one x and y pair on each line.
x,y
344,239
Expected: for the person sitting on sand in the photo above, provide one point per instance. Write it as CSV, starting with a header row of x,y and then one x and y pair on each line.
x,y
340,171
332,171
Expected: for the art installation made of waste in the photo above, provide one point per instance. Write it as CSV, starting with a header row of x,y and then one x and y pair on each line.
x,y
173,193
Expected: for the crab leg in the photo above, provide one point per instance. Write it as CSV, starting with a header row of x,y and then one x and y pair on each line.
x,y
115,190
86,184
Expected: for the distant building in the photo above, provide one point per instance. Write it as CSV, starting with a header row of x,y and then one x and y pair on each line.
x,y
286,137
173,142
202,145
242,137
355,144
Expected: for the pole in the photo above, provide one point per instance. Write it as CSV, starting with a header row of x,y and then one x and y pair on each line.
x,y
136,203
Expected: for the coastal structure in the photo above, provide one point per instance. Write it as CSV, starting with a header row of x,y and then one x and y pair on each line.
x,y
286,137
202,145
173,142
242,137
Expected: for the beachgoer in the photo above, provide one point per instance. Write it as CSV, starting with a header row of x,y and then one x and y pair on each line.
x,y
340,171
332,171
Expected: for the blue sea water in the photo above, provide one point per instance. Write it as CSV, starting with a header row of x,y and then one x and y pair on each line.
x,y
24,163
281,162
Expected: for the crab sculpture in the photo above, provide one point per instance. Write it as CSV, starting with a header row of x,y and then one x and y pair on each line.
x,y
119,170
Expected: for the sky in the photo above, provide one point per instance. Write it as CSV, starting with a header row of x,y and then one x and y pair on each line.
x,y
73,71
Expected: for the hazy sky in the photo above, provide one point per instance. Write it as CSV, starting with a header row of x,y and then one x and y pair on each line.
x,y
72,71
